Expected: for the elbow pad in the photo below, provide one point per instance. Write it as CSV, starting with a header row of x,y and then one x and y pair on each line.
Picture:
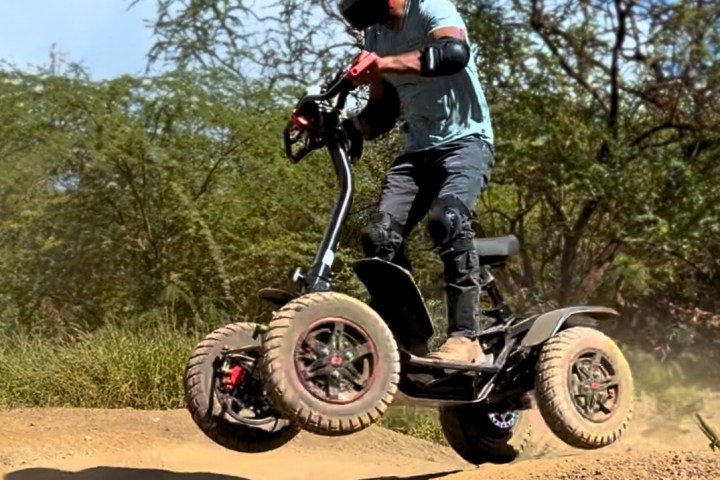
x,y
380,114
445,56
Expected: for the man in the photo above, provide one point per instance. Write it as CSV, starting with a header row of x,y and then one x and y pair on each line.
x,y
425,75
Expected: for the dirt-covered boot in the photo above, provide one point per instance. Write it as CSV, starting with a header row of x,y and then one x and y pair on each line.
x,y
459,349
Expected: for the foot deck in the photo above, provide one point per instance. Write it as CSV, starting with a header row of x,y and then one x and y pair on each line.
x,y
484,367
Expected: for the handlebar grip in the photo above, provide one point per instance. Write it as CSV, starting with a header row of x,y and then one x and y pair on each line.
x,y
361,64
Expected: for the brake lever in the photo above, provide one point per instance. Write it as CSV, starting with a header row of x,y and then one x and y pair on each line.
x,y
291,139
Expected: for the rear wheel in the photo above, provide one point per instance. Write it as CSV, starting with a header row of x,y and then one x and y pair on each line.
x,y
481,434
584,388
223,393
331,363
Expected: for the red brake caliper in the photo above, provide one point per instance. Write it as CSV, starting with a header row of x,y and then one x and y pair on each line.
x,y
234,376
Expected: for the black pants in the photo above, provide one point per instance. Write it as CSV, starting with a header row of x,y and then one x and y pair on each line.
x,y
445,182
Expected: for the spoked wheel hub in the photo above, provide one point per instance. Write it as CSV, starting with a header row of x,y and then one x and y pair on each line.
x,y
482,433
336,360
240,390
330,363
504,420
584,388
594,385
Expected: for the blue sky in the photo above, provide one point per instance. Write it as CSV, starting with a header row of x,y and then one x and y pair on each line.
x,y
104,35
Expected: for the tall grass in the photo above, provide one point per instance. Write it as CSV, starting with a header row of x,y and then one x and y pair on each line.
x,y
117,368
111,368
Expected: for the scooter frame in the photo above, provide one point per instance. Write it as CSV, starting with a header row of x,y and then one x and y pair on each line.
x,y
512,343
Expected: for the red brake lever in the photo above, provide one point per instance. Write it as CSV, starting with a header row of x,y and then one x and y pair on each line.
x,y
362,63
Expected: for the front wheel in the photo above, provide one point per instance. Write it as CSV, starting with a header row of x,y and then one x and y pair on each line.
x,y
584,388
331,363
480,434
223,393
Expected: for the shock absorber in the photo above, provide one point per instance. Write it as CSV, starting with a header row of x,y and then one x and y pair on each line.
x,y
499,309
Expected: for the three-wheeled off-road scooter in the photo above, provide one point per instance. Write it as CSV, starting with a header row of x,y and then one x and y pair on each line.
x,y
331,364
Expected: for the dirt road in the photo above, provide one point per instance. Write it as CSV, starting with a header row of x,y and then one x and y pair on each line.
x,y
62,444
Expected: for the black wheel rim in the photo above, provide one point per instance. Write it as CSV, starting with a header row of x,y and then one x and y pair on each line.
x,y
336,360
504,420
594,385
246,403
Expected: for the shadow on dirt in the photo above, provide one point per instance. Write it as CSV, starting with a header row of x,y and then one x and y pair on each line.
x,y
117,473
423,476
112,473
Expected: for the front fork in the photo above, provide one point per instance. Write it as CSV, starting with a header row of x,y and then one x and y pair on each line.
x,y
318,277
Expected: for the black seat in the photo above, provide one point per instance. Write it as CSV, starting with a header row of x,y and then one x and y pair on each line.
x,y
496,250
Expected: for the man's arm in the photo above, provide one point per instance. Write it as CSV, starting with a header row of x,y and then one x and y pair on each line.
x,y
448,53
381,112
376,94
383,107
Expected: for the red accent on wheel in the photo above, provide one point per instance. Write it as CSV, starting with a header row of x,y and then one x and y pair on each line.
x,y
235,377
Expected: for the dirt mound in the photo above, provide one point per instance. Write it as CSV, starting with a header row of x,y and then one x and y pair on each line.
x,y
75,444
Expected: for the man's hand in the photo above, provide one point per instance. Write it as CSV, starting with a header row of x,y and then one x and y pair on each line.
x,y
367,76
372,73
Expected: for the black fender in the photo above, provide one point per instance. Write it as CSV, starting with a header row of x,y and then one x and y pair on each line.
x,y
276,296
549,323
396,298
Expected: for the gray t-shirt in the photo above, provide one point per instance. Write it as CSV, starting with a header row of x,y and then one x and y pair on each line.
x,y
436,109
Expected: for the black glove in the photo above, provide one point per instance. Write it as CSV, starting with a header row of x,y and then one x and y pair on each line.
x,y
352,139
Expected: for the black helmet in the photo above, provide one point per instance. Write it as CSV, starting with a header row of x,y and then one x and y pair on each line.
x,y
362,14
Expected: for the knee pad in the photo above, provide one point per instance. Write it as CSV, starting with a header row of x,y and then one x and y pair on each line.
x,y
449,225
382,236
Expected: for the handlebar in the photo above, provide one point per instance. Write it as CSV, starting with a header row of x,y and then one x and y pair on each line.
x,y
314,116
362,63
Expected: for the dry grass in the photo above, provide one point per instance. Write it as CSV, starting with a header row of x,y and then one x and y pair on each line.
x,y
115,368
111,368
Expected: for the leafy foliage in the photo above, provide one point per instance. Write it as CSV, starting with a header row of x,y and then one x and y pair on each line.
x,y
139,196
165,200
285,42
